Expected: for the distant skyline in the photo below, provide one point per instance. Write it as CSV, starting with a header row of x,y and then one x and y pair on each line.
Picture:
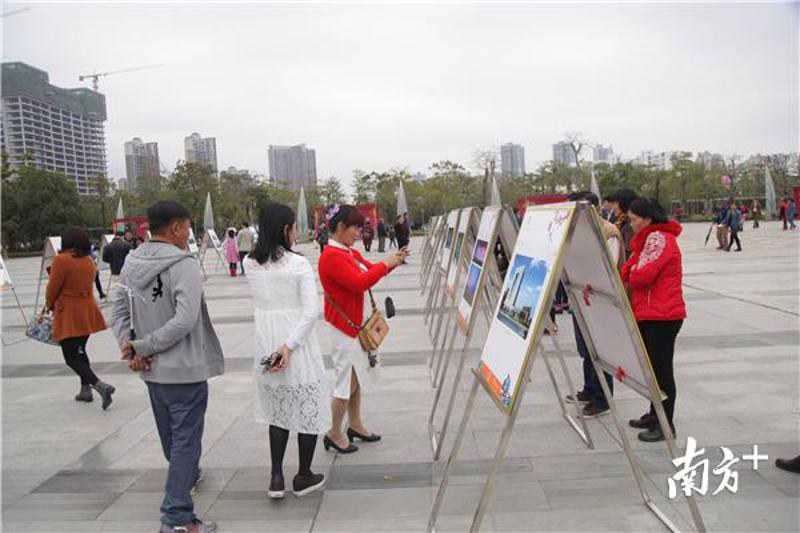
x,y
374,87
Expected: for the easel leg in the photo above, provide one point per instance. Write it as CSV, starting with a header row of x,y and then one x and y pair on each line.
x,y
38,289
446,333
438,319
437,502
19,306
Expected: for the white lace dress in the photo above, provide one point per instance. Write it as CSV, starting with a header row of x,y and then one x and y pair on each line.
x,y
286,308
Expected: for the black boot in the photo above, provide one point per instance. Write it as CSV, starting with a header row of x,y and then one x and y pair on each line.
x,y
304,484
85,395
105,390
277,487
646,421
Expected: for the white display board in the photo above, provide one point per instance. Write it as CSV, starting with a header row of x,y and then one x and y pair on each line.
x,y
5,277
214,239
52,247
461,232
487,231
593,286
522,301
449,237
193,248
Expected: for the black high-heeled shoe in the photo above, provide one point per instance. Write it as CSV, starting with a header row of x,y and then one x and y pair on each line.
x,y
328,443
353,434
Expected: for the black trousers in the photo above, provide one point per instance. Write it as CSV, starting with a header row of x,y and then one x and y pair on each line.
x,y
98,284
242,255
74,350
659,339
735,238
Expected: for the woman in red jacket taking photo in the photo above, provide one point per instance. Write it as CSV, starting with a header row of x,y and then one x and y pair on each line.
x,y
654,274
346,277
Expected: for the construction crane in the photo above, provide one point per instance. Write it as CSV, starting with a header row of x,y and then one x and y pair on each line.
x,y
97,75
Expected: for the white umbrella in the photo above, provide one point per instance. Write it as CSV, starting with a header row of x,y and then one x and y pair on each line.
x,y
302,216
495,200
402,204
595,188
208,214
769,193
120,214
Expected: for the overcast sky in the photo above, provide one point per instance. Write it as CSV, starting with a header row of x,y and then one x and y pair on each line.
x,y
381,86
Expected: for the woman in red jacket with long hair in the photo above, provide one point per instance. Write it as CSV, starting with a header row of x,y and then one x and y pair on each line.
x,y
346,277
654,274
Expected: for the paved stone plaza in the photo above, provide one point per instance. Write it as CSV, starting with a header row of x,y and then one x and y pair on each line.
x,y
69,466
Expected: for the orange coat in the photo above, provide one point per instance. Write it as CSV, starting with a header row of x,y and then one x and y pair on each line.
x,y
70,297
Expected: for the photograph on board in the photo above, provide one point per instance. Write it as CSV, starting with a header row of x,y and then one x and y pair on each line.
x,y
449,240
472,283
521,293
459,242
481,248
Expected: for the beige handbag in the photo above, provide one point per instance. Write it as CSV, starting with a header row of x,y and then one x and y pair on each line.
x,y
372,332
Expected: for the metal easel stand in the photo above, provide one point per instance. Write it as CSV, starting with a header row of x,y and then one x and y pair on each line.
x,y
24,320
442,307
431,303
38,288
580,426
655,398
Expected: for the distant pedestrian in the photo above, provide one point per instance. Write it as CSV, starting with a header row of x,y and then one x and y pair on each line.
x,y
97,282
114,253
367,234
620,202
756,213
791,213
322,236
382,234
75,313
131,239
291,392
401,232
245,240
733,220
175,352
722,228
392,237
782,208
654,274
231,252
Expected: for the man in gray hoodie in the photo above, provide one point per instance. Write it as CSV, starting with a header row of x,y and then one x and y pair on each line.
x,y
173,346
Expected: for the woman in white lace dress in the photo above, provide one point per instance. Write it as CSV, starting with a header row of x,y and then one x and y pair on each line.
x,y
290,389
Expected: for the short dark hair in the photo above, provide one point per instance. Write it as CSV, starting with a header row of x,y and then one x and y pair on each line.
x,y
76,239
588,196
119,234
161,214
347,215
649,208
624,197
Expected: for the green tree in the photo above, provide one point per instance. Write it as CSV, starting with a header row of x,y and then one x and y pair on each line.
x,y
190,183
104,190
331,192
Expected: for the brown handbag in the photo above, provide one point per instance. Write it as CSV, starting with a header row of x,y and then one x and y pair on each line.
x,y
372,332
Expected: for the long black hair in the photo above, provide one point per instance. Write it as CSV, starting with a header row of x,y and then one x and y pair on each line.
x,y
272,235
76,239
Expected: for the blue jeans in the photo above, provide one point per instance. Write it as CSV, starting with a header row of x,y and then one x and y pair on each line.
x,y
179,410
591,383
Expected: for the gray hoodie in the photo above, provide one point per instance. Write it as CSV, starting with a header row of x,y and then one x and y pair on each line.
x,y
170,315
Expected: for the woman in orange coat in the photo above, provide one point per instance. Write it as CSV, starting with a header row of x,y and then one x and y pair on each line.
x,y
75,312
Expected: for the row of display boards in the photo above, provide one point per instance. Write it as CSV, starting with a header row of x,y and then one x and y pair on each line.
x,y
510,276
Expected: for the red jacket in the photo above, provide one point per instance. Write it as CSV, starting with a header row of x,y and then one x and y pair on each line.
x,y
654,273
345,282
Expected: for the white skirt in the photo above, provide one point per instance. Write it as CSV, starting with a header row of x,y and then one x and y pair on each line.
x,y
297,397
347,356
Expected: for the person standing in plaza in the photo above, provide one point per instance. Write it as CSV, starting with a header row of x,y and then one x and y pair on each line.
x,y
98,285
721,220
346,277
231,252
176,351
782,206
654,274
401,233
290,390
392,237
620,202
733,220
381,235
245,240
791,213
755,209
114,253
596,403
322,236
367,234
75,313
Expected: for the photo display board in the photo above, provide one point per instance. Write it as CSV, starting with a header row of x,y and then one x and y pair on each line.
x,y
5,277
461,233
214,239
596,288
193,249
487,231
523,301
444,259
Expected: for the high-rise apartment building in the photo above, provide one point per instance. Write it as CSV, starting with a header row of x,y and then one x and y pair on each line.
x,y
53,128
201,150
603,154
141,161
512,159
294,166
563,153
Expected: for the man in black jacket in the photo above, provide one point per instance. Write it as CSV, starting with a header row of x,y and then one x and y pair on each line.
x,y
114,253
382,233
